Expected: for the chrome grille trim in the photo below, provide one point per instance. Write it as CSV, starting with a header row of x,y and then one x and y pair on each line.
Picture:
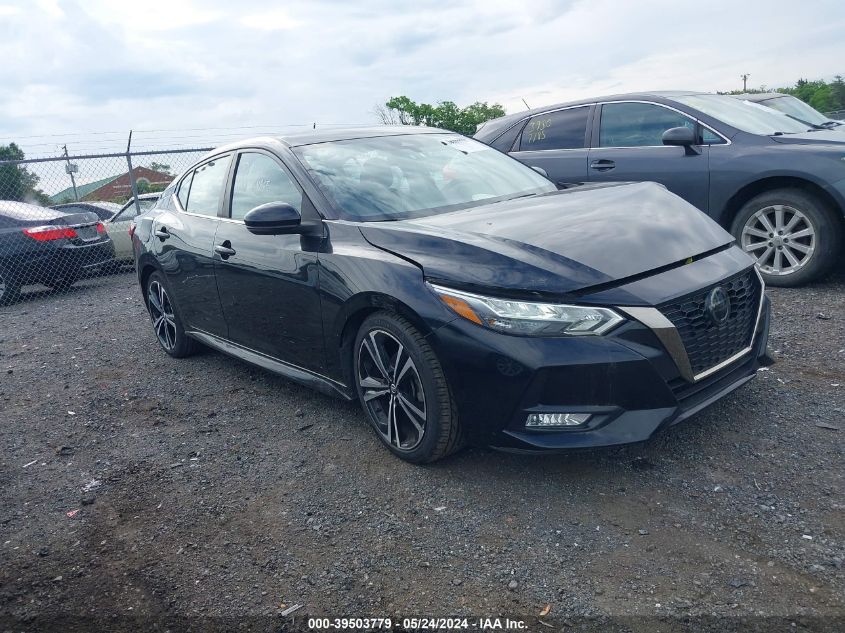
x,y
668,335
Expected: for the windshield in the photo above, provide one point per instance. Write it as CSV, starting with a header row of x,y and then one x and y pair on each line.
x,y
415,175
748,117
796,108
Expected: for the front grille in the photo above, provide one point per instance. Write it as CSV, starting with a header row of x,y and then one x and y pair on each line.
x,y
706,342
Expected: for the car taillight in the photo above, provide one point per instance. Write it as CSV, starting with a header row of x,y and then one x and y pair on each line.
x,y
101,229
50,233
132,230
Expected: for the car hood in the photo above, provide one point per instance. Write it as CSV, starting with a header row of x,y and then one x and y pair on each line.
x,y
556,243
816,137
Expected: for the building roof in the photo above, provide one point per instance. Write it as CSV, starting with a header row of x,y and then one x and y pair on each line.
x,y
66,195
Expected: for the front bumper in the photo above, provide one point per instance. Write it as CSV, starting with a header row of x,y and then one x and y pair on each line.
x,y
628,381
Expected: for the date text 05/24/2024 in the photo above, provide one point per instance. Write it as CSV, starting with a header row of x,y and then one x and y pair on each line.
x,y
417,624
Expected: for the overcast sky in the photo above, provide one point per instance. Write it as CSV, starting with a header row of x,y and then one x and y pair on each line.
x,y
80,66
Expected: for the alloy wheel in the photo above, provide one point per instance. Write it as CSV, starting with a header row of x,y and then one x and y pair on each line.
x,y
162,315
391,390
780,237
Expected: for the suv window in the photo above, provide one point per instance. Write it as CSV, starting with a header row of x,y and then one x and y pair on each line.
x,y
637,124
505,141
206,187
258,180
565,129
711,138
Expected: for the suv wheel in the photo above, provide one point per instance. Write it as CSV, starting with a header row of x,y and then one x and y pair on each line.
x,y
167,325
403,390
792,234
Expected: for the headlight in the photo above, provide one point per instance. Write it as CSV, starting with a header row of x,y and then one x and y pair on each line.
x,y
528,318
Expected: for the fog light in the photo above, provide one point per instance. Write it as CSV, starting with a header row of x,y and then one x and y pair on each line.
x,y
546,420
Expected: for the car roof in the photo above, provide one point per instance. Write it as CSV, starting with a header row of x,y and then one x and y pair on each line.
x,y
328,135
501,123
760,96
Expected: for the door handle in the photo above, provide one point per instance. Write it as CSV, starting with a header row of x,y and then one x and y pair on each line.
x,y
225,250
602,164
162,233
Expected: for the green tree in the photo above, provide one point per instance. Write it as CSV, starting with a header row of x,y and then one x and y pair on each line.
x,y
16,181
161,168
837,93
446,114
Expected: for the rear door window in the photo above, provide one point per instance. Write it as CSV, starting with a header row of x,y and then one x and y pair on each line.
x,y
184,189
564,129
207,186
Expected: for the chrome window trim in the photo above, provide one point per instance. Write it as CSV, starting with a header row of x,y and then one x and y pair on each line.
x,y
668,335
726,140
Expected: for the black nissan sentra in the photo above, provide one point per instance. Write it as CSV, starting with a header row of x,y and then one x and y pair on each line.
x,y
452,290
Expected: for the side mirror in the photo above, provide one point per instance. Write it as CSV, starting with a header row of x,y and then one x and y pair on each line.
x,y
682,137
273,218
540,171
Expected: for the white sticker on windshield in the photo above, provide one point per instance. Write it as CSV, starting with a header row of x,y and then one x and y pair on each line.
x,y
463,144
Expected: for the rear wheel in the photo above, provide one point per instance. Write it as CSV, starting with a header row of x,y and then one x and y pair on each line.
x,y
10,289
792,234
167,325
403,390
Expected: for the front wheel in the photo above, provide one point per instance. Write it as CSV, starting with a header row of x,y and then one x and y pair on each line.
x,y
792,234
403,390
167,325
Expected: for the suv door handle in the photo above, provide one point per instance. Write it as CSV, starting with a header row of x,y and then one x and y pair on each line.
x,y
162,233
603,164
225,250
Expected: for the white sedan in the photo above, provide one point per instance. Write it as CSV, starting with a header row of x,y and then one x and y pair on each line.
x,y
118,226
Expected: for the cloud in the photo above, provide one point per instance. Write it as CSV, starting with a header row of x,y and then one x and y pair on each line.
x,y
74,66
274,20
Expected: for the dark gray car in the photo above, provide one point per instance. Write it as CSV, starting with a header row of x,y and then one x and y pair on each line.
x,y
778,186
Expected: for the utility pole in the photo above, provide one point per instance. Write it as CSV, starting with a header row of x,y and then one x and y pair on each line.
x,y
70,169
745,82
132,184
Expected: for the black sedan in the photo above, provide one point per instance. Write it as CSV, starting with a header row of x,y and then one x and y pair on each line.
x,y
47,246
776,183
453,291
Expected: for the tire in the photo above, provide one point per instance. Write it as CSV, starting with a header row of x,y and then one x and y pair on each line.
x,y
416,386
809,232
10,289
167,324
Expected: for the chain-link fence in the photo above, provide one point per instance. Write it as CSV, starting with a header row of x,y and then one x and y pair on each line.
x,y
838,115
64,220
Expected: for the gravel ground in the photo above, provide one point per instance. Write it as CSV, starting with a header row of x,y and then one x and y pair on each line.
x,y
139,491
